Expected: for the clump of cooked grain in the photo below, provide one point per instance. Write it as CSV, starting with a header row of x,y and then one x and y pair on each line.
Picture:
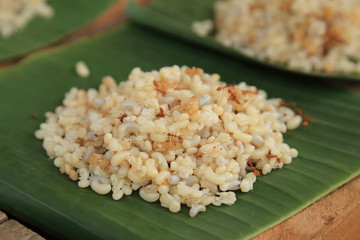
x,y
202,28
302,34
15,14
82,69
177,135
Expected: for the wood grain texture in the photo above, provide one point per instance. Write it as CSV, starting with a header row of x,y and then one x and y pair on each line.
x,y
13,230
3,217
336,216
347,229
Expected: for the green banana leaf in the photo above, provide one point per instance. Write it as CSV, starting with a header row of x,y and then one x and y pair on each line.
x,y
32,188
176,17
69,15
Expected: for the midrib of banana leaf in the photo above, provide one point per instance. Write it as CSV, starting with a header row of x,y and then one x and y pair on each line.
x,y
176,17
68,16
32,188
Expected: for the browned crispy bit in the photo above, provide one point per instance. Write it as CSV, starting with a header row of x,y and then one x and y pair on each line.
x,y
334,36
73,175
90,106
329,66
307,117
273,156
80,141
353,16
299,111
329,14
84,142
161,113
252,36
159,147
286,5
173,143
234,94
157,88
245,92
252,168
70,171
121,118
169,145
190,107
307,120
171,135
163,85
83,125
288,104
97,159
311,49
62,169
194,71
299,33
257,5
175,136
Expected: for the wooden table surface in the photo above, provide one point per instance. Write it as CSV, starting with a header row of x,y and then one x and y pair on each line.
x,y
335,216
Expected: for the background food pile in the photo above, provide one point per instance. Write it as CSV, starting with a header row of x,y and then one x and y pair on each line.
x,y
302,34
15,14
